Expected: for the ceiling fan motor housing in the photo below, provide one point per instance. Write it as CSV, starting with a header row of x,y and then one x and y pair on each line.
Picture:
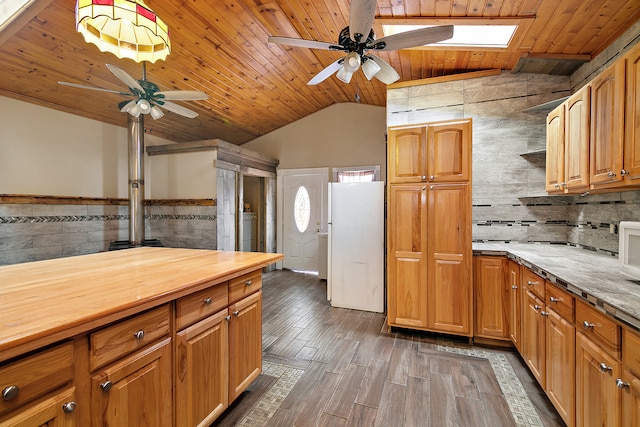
x,y
350,45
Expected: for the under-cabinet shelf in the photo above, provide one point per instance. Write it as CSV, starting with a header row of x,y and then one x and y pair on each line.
x,y
547,106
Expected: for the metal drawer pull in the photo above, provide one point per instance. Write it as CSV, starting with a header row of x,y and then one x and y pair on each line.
x,y
611,174
69,407
530,283
537,307
248,283
235,313
139,335
106,386
554,299
227,318
207,301
587,325
605,368
621,384
514,287
10,392
544,313
623,172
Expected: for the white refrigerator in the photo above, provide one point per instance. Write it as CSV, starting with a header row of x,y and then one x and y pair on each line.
x,y
356,245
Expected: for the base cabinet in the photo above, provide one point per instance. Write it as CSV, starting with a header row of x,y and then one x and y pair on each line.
x,y
245,343
56,411
491,297
560,362
515,305
202,371
534,337
135,391
630,385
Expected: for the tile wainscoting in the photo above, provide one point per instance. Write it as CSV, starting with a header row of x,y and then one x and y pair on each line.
x,y
38,228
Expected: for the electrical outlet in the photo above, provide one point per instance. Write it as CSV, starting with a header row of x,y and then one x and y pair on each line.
x,y
613,229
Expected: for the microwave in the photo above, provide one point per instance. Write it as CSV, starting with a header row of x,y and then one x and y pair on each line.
x,y
629,248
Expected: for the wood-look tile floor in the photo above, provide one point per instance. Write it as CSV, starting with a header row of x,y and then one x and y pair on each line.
x,y
326,366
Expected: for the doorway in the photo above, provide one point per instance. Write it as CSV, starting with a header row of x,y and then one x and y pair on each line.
x,y
252,214
302,212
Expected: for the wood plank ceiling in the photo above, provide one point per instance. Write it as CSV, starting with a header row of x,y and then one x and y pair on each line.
x,y
255,87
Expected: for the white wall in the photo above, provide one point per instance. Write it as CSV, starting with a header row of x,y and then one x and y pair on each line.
x,y
347,134
48,152
181,176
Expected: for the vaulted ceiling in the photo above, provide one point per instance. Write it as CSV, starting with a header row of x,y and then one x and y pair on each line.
x,y
254,87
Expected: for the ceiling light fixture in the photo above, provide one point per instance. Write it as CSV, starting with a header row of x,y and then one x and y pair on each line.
x,y
344,75
156,112
352,62
370,68
128,29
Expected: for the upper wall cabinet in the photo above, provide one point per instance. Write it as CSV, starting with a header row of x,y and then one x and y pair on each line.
x,y
593,138
437,152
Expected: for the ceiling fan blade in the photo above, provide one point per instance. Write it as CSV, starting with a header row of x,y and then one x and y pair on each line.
x,y
183,95
178,109
326,73
361,15
312,44
93,88
387,74
125,77
420,37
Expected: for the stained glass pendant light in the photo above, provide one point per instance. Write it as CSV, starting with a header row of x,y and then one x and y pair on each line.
x,y
128,29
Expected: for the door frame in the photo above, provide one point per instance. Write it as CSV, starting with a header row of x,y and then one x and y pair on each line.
x,y
281,173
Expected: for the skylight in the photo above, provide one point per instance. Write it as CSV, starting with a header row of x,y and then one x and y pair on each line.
x,y
476,36
9,9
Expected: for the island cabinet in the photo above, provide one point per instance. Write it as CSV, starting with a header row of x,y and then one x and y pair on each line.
x,y
38,391
159,337
598,347
429,282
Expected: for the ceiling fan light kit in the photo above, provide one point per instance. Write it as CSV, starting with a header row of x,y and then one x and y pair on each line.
x,y
352,40
128,29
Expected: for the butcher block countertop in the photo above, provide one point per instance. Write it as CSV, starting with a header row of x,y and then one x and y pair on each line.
x,y
46,301
592,276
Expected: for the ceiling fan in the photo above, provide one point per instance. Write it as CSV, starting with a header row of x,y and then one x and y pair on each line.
x,y
358,39
147,95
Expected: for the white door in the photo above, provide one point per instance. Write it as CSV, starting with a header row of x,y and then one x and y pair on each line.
x,y
303,216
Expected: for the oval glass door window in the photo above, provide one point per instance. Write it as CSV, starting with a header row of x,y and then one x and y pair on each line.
x,y
302,209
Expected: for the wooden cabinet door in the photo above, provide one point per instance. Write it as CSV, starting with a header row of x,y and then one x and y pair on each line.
x,y
607,125
135,391
515,305
56,411
576,142
597,397
407,256
491,296
533,336
407,154
630,399
560,363
245,343
449,259
632,118
202,374
555,150
449,151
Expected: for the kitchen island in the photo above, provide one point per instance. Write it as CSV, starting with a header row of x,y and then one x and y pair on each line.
x,y
132,334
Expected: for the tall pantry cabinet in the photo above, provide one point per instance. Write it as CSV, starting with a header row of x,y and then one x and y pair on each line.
x,y
429,256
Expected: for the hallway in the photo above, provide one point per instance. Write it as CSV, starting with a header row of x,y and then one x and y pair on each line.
x,y
325,366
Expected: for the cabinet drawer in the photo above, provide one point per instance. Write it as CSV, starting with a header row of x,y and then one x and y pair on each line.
x,y
32,376
115,341
598,327
631,351
560,301
534,283
245,285
195,307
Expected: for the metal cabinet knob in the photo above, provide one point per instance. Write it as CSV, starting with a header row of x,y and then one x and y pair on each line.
x,y
424,177
10,392
248,282
69,407
431,178
604,368
139,335
536,307
544,313
554,299
207,301
530,283
106,386
587,325
235,313
621,384
514,287
623,172
227,318
611,174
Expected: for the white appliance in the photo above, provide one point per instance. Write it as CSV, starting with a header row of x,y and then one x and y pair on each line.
x,y
629,248
356,245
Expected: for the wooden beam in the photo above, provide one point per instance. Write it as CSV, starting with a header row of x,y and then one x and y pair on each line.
x,y
449,78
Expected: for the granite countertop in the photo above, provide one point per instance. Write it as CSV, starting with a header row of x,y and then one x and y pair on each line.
x,y
593,276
